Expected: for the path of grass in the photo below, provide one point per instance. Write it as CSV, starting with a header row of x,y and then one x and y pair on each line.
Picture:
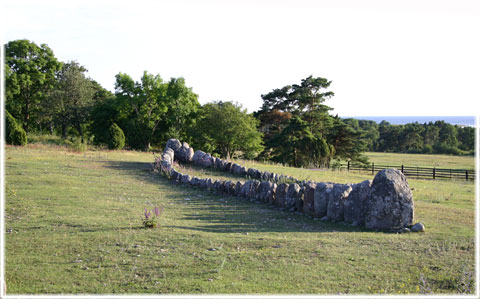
x,y
73,226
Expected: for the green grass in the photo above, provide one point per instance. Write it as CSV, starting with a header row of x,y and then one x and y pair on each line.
x,y
422,160
73,226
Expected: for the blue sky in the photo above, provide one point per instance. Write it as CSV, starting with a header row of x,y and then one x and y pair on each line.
x,y
383,57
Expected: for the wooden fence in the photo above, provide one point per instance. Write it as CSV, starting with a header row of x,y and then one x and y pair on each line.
x,y
415,172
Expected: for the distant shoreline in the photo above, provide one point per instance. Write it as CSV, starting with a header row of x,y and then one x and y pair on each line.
x,y
401,120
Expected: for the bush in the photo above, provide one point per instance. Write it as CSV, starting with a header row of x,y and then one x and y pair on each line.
x,y
427,149
14,133
116,137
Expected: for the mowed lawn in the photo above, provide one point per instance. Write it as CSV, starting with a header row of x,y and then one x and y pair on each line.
x,y
73,226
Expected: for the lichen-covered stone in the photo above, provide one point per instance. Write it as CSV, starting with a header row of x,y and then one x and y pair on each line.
x,y
390,204
281,195
321,196
294,197
354,205
309,198
337,197
174,144
238,188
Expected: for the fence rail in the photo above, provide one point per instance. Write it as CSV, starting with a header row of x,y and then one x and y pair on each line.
x,y
413,171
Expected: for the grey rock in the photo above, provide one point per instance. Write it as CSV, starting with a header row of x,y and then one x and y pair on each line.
x,y
266,192
170,153
281,195
390,204
252,193
309,197
203,159
418,227
337,197
220,187
238,188
265,176
209,183
228,166
321,197
184,153
294,197
174,144
203,183
325,218
186,178
354,205
236,169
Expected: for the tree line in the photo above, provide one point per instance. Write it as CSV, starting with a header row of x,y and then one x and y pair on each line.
x,y
293,126
436,137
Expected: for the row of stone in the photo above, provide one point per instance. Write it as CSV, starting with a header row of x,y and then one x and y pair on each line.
x,y
386,203
182,152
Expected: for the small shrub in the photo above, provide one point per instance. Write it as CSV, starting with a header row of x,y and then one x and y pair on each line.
x,y
116,137
15,134
150,220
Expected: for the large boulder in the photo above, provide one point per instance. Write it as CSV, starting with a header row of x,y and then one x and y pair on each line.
x,y
337,197
174,144
184,153
266,192
354,205
168,155
309,197
390,204
294,197
281,195
321,197
245,191
252,193
203,159
239,170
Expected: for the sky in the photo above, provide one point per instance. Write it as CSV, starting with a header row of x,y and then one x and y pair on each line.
x,y
383,57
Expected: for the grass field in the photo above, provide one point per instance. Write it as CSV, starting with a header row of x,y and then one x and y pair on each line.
x,y
73,226
421,160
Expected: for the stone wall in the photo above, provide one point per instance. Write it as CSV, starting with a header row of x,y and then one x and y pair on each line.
x,y
386,203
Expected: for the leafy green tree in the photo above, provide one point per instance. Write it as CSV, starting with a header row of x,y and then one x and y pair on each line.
x,y
143,104
103,114
29,75
14,133
226,128
117,138
182,108
466,138
72,99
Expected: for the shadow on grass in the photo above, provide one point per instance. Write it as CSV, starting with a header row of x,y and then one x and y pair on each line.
x,y
219,213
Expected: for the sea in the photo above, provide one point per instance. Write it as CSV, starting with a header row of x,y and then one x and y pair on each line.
x,y
401,120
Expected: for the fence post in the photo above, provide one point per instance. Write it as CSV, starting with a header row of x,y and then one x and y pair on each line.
x,y
402,168
373,168
450,173
466,175
433,172
417,172
348,166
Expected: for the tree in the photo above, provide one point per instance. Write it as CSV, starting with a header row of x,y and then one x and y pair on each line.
x,y
71,100
143,105
182,108
14,133
117,138
225,128
311,137
29,75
